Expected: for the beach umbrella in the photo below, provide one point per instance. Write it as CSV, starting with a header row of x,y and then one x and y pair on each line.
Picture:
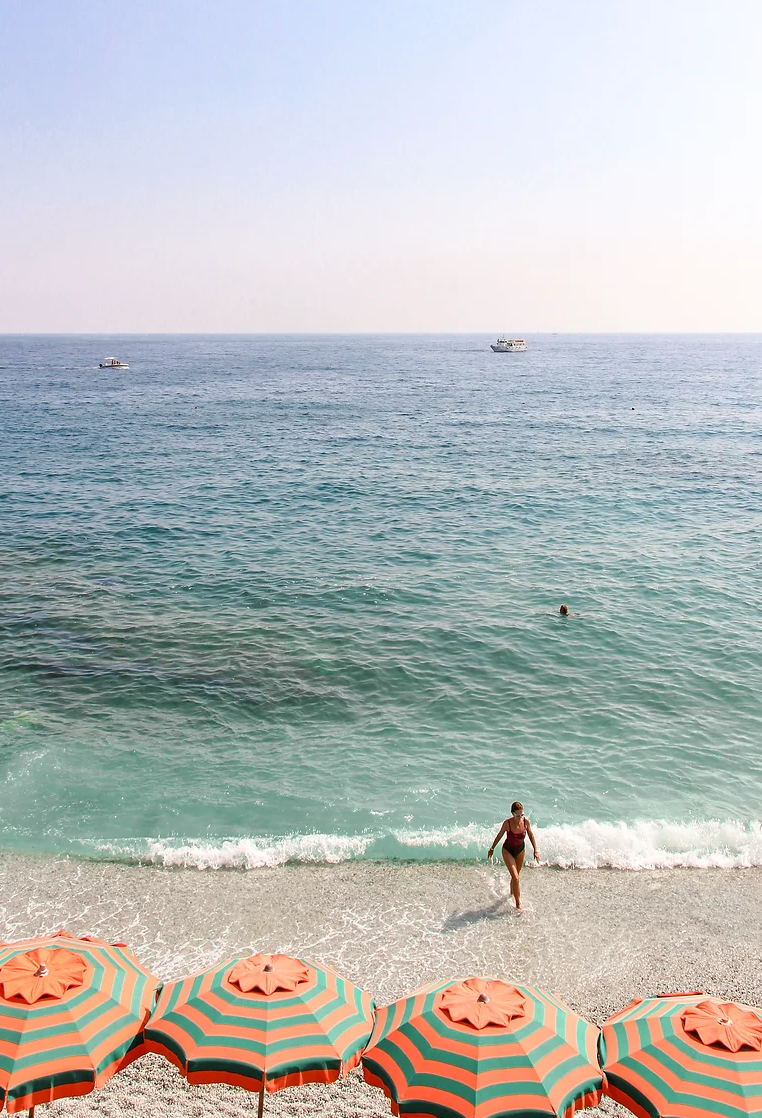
x,y
475,1048
684,1056
72,1013
263,1023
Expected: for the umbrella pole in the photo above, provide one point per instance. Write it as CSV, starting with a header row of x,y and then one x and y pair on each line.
x,y
261,1107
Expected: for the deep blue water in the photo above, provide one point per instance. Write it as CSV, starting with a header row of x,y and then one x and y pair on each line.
x,y
297,597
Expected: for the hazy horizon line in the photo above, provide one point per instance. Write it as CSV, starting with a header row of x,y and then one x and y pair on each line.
x,y
369,333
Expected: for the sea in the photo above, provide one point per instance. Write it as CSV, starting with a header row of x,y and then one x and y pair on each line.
x,y
269,599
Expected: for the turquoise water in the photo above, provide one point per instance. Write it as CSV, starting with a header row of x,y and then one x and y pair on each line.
x,y
271,598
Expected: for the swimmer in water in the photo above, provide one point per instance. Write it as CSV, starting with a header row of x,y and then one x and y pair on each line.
x,y
515,828
564,611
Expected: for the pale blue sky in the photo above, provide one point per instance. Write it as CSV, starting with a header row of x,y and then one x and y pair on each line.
x,y
346,166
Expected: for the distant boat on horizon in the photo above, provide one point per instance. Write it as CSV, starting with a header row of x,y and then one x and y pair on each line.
x,y
113,363
508,345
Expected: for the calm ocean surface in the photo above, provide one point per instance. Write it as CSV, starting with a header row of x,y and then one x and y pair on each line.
x,y
271,598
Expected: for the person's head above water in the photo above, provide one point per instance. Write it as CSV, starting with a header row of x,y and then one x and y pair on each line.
x,y
564,610
517,808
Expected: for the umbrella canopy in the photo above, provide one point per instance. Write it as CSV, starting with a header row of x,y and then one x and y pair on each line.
x,y
684,1056
263,1023
72,1013
483,1049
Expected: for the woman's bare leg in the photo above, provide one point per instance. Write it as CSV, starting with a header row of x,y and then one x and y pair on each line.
x,y
513,870
519,860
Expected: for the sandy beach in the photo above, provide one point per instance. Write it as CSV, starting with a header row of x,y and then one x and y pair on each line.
x,y
598,938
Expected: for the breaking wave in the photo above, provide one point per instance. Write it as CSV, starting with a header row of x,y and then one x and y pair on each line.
x,y
645,845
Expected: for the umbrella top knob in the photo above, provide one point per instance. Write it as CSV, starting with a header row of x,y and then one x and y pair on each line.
x,y
267,967
42,971
483,998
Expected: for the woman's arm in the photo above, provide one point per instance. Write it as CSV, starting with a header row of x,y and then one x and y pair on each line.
x,y
530,832
498,836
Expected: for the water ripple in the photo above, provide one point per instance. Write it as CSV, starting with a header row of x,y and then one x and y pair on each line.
x,y
269,591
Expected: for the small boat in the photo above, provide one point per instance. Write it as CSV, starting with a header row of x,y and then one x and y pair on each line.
x,y
509,345
113,363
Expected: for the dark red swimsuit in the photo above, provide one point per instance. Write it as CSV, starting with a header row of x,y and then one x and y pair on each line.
x,y
514,840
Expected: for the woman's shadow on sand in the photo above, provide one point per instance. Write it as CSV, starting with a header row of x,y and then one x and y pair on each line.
x,y
468,916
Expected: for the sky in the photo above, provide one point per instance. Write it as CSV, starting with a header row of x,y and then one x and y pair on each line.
x,y
411,166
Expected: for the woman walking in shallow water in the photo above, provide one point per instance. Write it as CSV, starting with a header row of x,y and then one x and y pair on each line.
x,y
516,828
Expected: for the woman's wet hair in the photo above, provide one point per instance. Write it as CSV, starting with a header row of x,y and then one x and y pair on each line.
x,y
516,806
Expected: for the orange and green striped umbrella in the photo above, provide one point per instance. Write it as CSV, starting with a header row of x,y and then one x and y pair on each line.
x,y
483,1049
263,1023
684,1056
72,1013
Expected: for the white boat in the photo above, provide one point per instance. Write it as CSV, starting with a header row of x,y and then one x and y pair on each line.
x,y
113,363
508,345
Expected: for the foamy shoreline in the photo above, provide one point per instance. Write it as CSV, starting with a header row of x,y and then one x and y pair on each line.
x,y
646,844
598,939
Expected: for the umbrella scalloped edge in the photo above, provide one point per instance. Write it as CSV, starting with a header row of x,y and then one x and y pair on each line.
x,y
723,1025
480,1002
268,973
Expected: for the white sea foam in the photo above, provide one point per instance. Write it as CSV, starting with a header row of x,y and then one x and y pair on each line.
x,y
253,853
653,845
590,845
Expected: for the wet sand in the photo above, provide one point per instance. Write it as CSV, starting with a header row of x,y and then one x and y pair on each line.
x,y
598,938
